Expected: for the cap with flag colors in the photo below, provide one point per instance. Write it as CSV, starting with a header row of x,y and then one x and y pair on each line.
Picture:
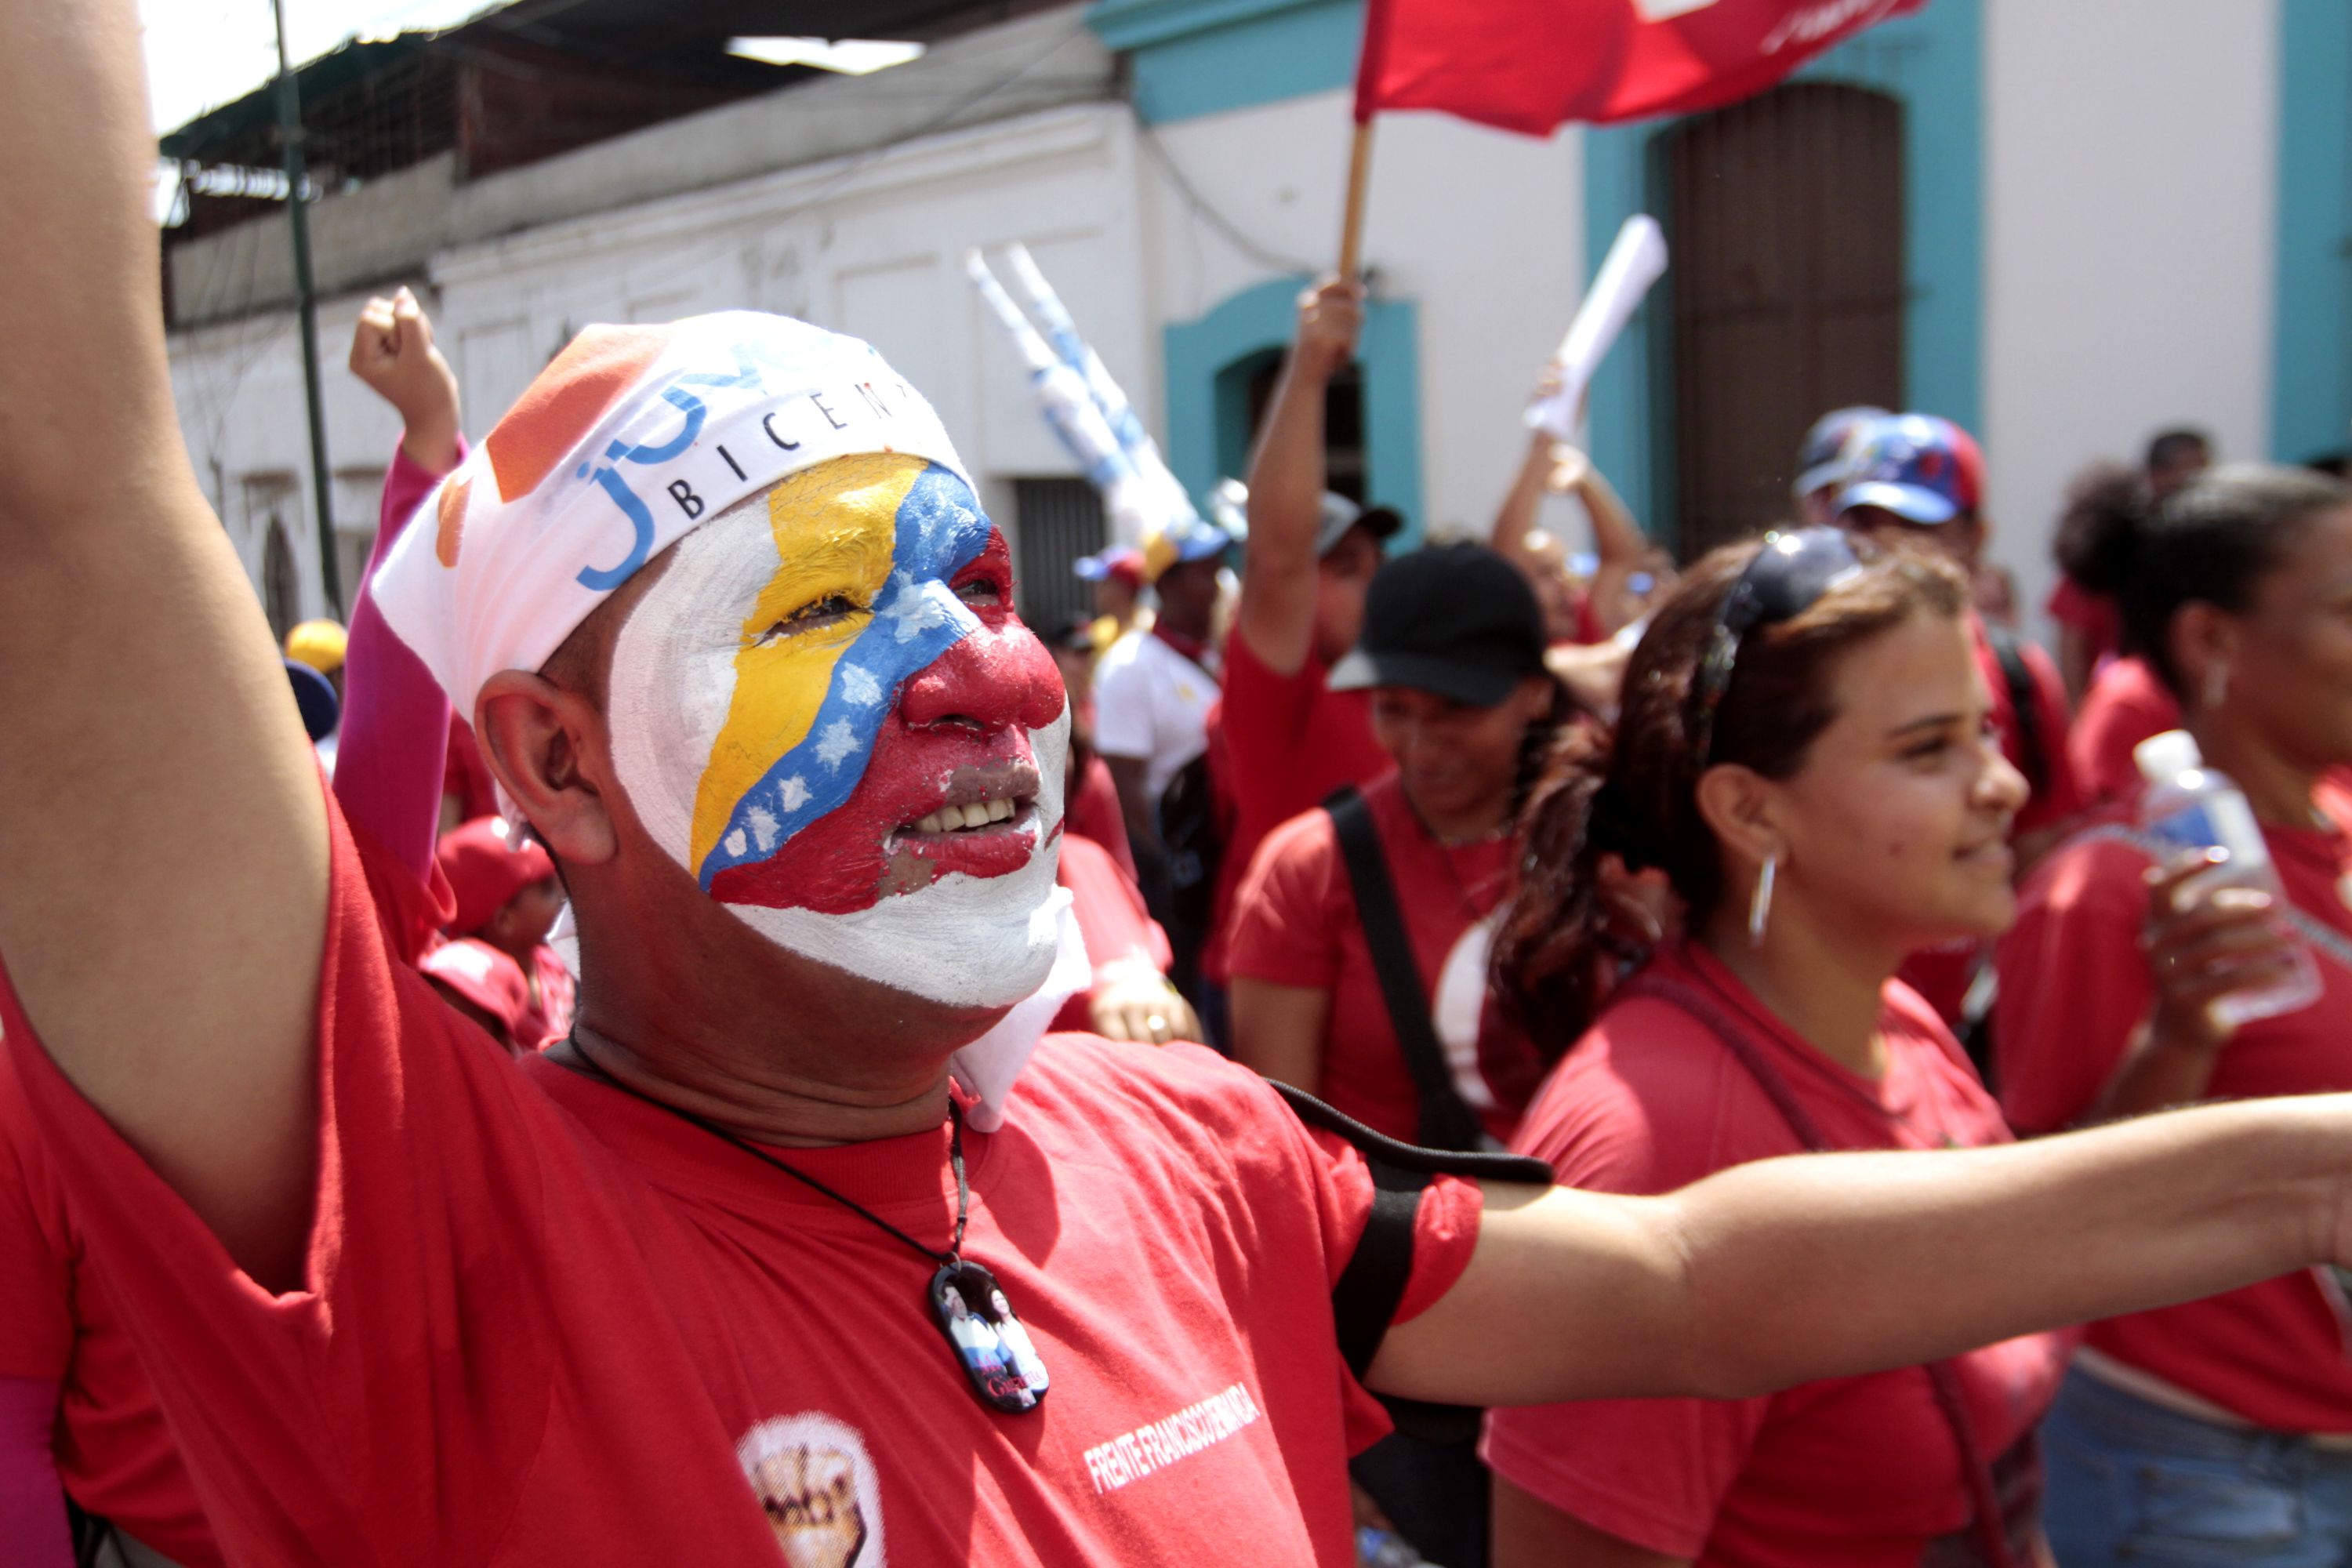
x,y
1188,539
631,437
1531,66
1117,562
1923,470
1825,457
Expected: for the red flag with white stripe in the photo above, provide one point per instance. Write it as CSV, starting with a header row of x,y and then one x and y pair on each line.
x,y
1531,66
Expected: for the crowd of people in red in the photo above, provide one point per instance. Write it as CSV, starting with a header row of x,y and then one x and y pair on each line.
x,y
1355,1051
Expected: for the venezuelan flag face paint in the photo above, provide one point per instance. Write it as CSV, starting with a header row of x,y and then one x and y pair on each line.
x,y
827,712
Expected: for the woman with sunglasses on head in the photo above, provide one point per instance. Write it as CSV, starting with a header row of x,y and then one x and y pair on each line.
x,y
2218,1430
1803,756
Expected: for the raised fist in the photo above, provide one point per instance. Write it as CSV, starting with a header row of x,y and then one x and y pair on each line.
x,y
392,352
1330,318
810,1498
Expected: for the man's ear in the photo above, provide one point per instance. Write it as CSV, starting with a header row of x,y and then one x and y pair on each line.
x,y
546,745
1740,807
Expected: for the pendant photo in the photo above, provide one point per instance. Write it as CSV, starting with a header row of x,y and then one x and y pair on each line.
x,y
989,1344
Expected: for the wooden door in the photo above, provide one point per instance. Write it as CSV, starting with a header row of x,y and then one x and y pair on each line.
x,y
1785,217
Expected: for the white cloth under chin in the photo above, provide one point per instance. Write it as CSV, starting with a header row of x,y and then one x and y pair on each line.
x,y
988,1067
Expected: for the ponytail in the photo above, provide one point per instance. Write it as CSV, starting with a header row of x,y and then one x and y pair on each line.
x,y
1571,927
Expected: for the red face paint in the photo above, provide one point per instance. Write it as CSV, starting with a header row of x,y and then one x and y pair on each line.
x,y
959,729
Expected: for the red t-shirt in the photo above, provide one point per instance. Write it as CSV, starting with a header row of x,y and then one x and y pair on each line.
x,y
1295,923
56,1326
545,1321
2074,985
1853,1472
2097,616
1289,742
2124,705
1941,974
1109,910
1095,814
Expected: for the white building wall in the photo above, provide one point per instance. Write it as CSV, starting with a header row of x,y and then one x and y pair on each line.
x,y
2130,193
870,245
2127,270
238,388
1483,230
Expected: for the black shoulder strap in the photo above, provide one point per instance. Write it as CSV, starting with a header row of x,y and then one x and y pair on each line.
x,y
1447,1121
2024,700
1364,1301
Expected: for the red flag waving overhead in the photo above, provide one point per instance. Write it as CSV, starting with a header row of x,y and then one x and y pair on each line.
x,y
1533,64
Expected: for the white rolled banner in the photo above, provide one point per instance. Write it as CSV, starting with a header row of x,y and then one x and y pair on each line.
x,y
1636,261
1070,409
1142,451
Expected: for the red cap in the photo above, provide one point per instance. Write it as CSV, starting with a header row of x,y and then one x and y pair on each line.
x,y
1970,457
486,868
484,976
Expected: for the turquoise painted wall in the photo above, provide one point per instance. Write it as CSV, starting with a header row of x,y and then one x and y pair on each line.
x,y
2311,385
1209,364
1204,57
1933,61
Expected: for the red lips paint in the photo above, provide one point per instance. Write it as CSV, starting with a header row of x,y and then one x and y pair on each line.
x,y
972,708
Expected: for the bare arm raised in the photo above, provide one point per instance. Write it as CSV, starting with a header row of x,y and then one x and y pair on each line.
x,y
163,837
1285,481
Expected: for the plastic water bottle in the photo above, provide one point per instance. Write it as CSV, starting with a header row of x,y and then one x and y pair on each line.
x,y
2190,806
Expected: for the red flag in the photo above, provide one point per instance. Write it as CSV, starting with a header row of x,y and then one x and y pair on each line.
x,y
1531,66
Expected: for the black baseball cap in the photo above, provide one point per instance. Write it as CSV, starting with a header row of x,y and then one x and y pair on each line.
x,y
1455,619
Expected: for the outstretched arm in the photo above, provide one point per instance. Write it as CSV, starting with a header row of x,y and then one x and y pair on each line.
x,y
1830,1265
162,832
1285,481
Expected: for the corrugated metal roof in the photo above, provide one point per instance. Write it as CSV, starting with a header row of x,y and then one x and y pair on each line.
x,y
236,130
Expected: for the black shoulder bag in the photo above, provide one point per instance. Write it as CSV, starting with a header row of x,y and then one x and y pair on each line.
x,y
1447,1119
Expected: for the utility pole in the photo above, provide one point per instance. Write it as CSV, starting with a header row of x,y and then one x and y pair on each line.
x,y
289,131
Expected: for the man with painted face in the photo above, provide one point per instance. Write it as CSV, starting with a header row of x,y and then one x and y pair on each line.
x,y
737,638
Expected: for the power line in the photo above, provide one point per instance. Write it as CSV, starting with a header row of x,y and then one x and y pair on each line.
x,y
1203,207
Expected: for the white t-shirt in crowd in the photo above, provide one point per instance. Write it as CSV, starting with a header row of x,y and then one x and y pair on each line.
x,y
1151,702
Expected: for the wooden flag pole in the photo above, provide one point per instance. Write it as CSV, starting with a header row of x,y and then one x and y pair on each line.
x,y
1359,177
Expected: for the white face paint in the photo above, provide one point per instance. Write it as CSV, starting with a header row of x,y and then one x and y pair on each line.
x,y
757,726
981,941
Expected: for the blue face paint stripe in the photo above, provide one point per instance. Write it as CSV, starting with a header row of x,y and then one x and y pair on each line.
x,y
937,535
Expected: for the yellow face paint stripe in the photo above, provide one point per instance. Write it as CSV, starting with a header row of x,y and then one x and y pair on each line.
x,y
835,528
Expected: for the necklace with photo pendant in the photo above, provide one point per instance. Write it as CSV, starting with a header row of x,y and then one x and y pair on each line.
x,y
1000,1361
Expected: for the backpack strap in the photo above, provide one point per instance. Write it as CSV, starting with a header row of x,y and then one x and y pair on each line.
x,y
1446,1120
2024,700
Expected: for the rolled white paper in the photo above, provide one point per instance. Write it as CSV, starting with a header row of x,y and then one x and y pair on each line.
x,y
1069,408
1636,261
1142,451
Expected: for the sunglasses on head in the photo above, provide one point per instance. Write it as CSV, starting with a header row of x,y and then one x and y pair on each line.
x,y
1781,582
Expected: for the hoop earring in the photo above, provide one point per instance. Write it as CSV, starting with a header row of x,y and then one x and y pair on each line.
x,y
2217,684
1759,905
